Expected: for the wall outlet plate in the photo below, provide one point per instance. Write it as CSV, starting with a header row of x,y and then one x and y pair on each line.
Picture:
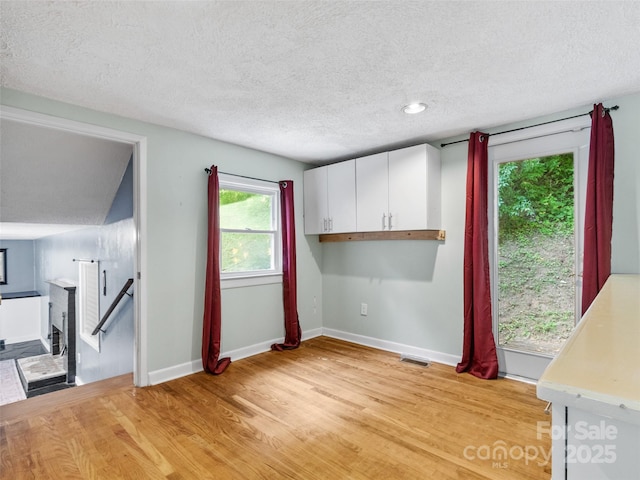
x,y
363,309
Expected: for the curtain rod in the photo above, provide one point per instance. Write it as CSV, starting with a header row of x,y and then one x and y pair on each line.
x,y
615,107
208,171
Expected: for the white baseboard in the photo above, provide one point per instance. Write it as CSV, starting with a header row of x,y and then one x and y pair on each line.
x,y
188,368
432,355
518,378
262,347
315,332
177,371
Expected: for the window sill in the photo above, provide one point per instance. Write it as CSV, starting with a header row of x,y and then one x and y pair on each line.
x,y
250,281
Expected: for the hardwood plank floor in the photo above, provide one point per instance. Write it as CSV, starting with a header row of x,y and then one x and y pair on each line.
x,y
328,410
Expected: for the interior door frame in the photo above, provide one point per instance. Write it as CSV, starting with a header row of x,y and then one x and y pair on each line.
x,y
573,134
139,145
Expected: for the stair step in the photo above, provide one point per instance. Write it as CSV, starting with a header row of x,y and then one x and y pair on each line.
x,y
41,372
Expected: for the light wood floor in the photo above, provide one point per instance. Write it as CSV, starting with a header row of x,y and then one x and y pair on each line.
x,y
328,410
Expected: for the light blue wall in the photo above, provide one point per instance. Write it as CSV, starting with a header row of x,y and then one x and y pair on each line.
x,y
122,205
20,267
113,245
176,238
625,244
414,289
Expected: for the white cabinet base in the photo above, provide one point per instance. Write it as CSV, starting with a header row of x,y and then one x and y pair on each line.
x,y
588,446
20,319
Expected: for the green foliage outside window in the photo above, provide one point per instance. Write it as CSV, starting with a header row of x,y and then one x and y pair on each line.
x,y
536,195
244,218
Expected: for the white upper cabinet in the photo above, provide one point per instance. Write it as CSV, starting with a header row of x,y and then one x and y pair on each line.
x,y
330,199
399,190
315,201
372,187
414,188
341,198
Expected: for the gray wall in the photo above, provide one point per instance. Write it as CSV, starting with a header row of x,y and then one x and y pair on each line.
x,y
20,266
113,246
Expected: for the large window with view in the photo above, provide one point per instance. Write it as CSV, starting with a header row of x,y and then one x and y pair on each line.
x,y
538,197
249,229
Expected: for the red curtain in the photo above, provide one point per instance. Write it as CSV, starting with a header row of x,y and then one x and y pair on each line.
x,y
212,297
479,349
599,209
289,277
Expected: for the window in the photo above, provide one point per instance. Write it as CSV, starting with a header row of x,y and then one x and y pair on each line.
x,y
537,217
249,231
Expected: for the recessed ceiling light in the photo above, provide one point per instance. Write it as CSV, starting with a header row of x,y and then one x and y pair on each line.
x,y
414,108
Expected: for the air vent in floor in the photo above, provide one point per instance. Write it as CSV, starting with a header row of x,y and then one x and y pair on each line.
x,y
423,362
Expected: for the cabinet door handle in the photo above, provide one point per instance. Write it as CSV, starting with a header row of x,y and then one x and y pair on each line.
x,y
384,221
330,224
390,217
324,224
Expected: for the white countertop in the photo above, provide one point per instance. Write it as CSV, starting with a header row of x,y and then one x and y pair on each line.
x,y
598,368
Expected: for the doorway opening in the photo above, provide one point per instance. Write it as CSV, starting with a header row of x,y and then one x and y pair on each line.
x,y
138,162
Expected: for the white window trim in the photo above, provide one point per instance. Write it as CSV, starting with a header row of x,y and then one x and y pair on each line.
x,y
249,279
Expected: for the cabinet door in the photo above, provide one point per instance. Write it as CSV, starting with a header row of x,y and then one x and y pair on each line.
x,y
408,188
315,201
341,196
372,193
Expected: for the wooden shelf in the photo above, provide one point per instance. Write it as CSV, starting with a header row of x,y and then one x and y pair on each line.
x,y
387,235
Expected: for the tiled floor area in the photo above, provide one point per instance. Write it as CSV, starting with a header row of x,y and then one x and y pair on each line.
x,y
21,350
10,387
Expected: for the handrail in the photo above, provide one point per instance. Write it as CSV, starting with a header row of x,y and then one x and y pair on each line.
x,y
113,306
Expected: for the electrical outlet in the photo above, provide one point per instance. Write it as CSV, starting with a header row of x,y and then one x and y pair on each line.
x,y
79,358
363,309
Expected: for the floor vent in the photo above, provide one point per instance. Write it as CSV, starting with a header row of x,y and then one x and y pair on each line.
x,y
423,362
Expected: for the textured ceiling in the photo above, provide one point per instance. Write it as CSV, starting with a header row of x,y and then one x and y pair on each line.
x,y
51,176
319,80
